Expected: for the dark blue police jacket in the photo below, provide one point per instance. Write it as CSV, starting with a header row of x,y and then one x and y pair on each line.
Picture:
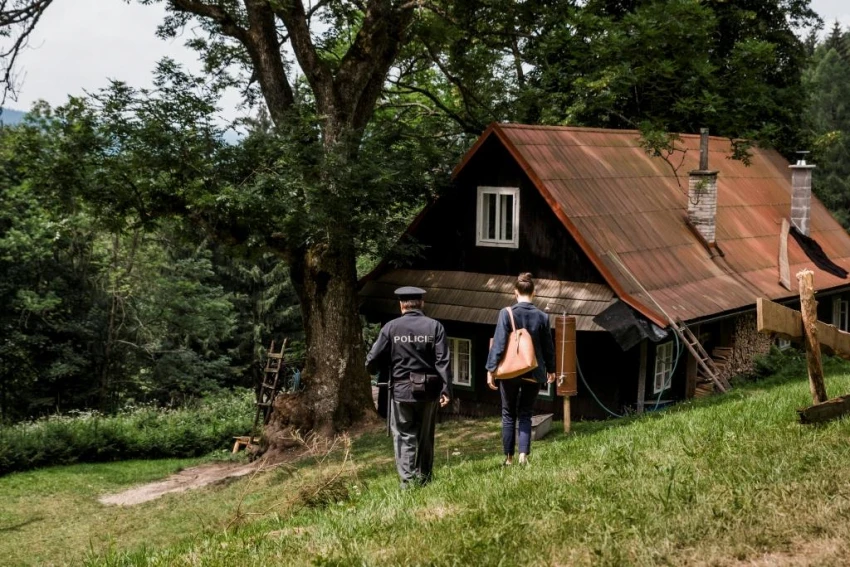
x,y
536,322
413,343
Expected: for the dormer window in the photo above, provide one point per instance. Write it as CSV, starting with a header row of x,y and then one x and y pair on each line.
x,y
498,217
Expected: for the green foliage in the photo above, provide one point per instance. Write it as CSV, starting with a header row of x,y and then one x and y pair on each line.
x,y
111,299
780,364
143,432
730,66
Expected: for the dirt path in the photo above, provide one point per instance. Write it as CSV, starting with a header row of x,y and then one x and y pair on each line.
x,y
194,477
817,553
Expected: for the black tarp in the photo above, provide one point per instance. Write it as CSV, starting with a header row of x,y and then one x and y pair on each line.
x,y
627,326
816,254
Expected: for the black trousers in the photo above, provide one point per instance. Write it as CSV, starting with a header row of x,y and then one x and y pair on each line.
x,y
412,425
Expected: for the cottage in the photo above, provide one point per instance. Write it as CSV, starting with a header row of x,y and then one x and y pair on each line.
x,y
624,241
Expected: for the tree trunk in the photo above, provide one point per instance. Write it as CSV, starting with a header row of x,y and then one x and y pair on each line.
x,y
336,387
809,311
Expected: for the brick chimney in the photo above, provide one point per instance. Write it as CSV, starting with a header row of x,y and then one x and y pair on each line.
x,y
801,194
702,194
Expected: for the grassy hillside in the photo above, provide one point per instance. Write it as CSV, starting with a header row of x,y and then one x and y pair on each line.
x,y
731,480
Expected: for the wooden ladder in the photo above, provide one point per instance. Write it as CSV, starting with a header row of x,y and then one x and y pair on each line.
x,y
270,386
704,360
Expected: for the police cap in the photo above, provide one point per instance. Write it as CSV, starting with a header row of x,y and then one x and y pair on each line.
x,y
409,292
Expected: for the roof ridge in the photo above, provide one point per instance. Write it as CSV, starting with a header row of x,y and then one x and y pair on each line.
x,y
518,126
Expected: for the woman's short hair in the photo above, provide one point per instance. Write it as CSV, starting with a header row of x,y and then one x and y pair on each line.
x,y
524,284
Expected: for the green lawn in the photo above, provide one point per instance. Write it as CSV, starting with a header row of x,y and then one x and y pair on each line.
x,y
732,480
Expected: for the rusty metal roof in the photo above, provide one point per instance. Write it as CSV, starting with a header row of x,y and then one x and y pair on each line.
x,y
619,202
477,298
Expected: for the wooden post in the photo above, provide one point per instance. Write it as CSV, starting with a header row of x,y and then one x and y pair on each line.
x,y
565,361
809,311
691,371
691,374
642,377
784,269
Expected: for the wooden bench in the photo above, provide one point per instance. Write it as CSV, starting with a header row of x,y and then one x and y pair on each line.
x,y
540,426
243,442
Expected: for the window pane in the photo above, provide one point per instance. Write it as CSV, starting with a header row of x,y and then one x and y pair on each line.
x,y
460,359
663,366
484,216
507,226
490,214
463,368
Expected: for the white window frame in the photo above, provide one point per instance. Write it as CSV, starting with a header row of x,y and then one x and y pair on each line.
x,y
782,344
547,390
498,242
841,313
454,361
663,367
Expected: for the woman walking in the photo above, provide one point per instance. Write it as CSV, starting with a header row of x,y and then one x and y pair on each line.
x,y
518,394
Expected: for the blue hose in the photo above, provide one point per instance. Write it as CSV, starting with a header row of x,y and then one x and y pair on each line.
x,y
589,389
679,350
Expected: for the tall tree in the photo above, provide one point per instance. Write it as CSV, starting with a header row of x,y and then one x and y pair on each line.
x,y
829,118
321,104
312,171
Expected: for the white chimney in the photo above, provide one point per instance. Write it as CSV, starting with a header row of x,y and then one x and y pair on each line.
x,y
702,194
801,194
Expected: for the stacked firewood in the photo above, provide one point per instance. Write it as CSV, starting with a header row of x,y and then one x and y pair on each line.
x,y
739,358
748,343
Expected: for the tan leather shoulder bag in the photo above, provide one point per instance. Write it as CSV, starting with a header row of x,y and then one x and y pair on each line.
x,y
519,357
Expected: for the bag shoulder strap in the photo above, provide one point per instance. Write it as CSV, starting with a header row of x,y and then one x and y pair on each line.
x,y
511,315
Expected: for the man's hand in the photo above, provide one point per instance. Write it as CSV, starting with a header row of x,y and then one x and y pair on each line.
x,y
444,400
550,377
491,381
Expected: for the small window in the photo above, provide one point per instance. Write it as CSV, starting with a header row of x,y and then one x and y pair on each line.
x,y
461,361
663,366
841,313
782,344
498,217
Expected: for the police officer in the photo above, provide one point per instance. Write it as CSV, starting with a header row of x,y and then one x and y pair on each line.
x,y
415,348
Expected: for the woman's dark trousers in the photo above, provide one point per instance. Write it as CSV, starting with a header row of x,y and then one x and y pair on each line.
x,y
518,397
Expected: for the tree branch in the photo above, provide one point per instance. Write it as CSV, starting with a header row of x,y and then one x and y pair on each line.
x,y
228,24
465,93
293,16
365,65
18,19
468,126
260,39
264,50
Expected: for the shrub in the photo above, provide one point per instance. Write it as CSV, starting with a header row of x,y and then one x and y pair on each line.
x,y
136,433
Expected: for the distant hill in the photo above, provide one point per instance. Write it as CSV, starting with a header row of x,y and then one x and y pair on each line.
x,y
11,117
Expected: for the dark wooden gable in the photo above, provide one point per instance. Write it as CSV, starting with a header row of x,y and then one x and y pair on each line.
x,y
448,229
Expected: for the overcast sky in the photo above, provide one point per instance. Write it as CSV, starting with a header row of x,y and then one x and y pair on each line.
x,y
79,44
